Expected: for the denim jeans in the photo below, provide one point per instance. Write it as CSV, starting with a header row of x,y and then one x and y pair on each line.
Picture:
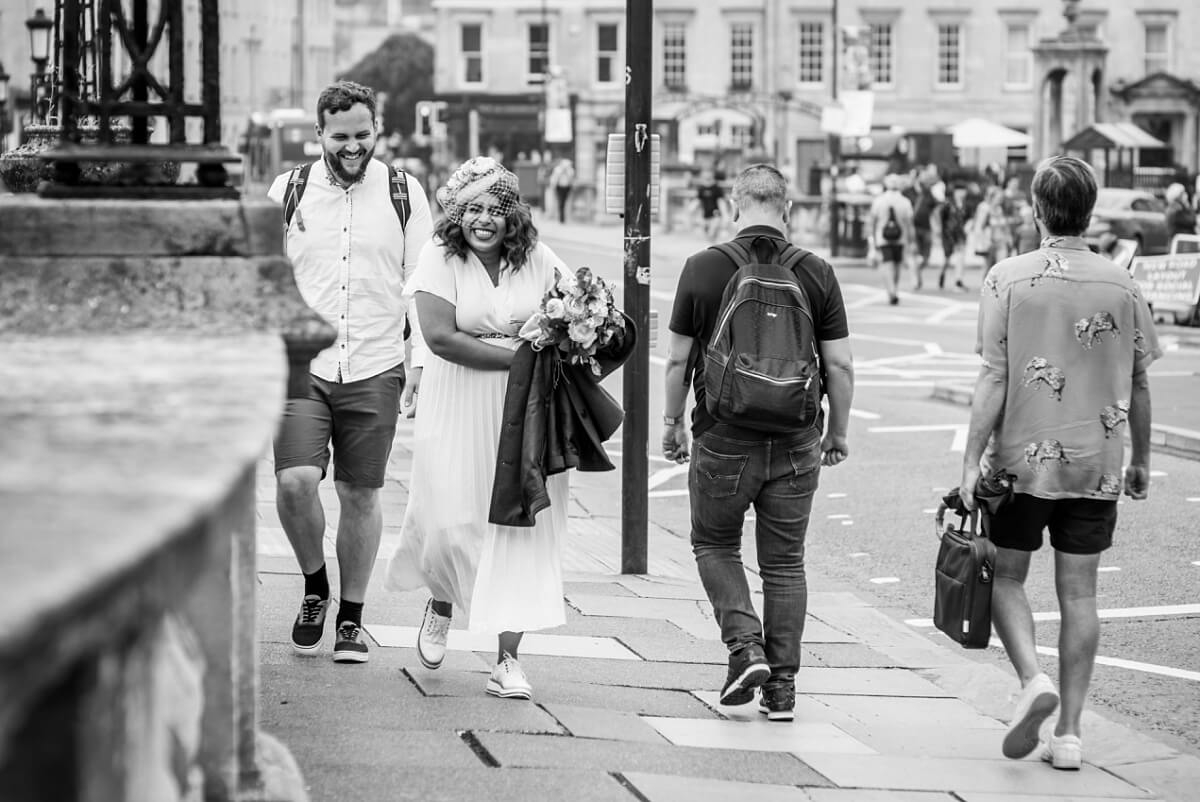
x,y
778,476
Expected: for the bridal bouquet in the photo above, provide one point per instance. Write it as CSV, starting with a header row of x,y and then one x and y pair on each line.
x,y
579,318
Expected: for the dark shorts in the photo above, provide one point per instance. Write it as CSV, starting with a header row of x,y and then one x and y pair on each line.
x,y
359,419
891,253
924,242
1077,525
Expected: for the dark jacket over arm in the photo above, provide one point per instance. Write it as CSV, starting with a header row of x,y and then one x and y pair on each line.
x,y
556,417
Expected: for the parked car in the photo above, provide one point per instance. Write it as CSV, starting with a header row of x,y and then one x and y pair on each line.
x,y
1131,214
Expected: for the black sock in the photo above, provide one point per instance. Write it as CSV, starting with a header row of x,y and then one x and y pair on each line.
x,y
350,611
443,608
317,583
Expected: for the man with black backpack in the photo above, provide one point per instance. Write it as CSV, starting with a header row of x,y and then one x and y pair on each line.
x,y
353,230
762,325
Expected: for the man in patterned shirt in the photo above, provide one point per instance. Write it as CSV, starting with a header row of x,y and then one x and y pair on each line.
x,y
1066,339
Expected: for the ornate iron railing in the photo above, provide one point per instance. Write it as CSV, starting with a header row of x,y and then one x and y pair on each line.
x,y
108,119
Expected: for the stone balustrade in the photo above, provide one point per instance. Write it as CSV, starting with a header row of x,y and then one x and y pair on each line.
x,y
142,375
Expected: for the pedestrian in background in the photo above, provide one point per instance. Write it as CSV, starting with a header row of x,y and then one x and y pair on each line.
x,y
562,178
1180,217
924,205
994,233
1028,235
483,275
734,467
710,203
890,235
951,217
1066,339
351,257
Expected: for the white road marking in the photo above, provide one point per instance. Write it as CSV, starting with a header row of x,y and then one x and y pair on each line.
x,y
665,475
889,340
1160,611
929,511
1104,569
857,554
835,495
1193,498
838,515
666,493
884,580
1133,665
960,432
1195,562
847,523
858,413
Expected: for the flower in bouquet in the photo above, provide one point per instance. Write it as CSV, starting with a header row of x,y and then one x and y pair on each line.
x,y
578,317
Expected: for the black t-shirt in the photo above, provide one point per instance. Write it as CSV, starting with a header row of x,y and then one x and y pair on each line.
x,y
709,196
698,301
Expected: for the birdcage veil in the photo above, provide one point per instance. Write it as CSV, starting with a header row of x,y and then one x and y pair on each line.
x,y
474,179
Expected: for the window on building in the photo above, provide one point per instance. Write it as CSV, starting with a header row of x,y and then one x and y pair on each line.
x,y
539,52
811,53
1018,58
675,55
741,56
1157,47
881,54
741,136
949,54
472,53
607,53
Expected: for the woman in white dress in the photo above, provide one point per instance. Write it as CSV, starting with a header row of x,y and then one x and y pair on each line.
x,y
480,278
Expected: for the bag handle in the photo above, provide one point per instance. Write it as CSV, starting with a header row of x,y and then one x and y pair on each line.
x,y
940,527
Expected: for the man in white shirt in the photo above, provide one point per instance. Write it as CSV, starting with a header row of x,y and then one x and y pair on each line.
x,y
351,255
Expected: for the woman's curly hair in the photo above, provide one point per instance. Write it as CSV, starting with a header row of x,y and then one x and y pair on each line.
x,y
520,236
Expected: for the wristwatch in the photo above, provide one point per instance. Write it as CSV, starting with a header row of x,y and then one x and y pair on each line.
x,y
672,421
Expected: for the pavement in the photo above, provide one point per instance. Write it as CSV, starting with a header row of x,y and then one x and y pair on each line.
x,y
625,696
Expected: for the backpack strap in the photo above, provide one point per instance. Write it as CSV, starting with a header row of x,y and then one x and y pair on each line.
x,y
297,181
399,192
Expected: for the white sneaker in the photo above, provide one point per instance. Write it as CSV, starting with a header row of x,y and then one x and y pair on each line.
x,y
1063,752
1038,700
431,640
508,680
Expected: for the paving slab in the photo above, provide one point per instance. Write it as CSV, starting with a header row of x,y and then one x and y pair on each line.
x,y
917,739
596,722
883,710
1176,778
677,647
664,587
958,775
532,643
865,682
534,751
848,655
982,796
436,784
665,788
634,674
760,735
875,795
597,588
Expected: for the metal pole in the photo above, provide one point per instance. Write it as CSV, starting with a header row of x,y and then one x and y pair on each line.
x,y
639,16
835,142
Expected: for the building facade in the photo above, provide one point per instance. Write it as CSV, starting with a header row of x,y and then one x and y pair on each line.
x,y
739,79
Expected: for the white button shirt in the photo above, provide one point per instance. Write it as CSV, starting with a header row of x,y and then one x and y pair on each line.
x,y
351,259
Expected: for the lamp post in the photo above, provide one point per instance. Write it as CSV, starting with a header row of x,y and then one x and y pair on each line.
x,y
40,29
4,76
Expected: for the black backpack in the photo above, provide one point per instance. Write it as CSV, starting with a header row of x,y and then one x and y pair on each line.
x,y
298,181
891,228
762,369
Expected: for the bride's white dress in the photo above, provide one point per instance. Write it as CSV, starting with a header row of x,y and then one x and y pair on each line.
x,y
503,578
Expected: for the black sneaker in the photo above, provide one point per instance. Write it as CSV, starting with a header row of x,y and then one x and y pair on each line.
x,y
748,668
778,702
349,647
310,624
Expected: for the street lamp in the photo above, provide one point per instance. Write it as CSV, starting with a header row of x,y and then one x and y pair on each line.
x,y
40,29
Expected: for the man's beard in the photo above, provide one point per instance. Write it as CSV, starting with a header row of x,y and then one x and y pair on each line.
x,y
334,163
